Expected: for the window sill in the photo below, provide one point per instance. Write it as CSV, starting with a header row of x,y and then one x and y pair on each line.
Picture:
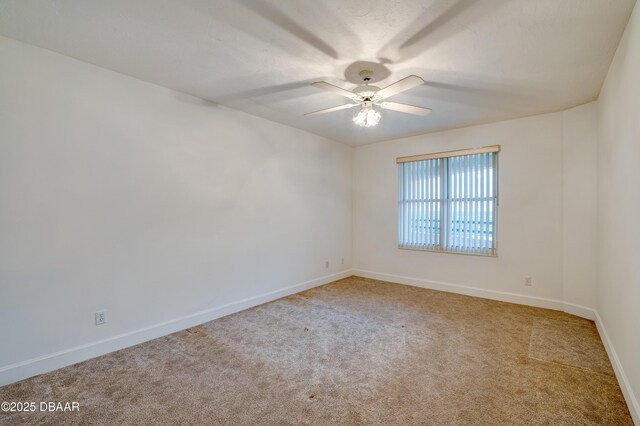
x,y
448,252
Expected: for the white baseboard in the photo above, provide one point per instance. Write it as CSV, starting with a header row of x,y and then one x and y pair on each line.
x,y
522,299
571,308
580,311
43,364
623,381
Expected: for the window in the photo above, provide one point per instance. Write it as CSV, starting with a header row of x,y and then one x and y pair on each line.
x,y
448,201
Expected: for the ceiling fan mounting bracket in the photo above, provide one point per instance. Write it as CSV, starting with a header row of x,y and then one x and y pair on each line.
x,y
366,75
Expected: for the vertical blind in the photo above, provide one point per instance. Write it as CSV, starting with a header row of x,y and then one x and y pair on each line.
x,y
449,203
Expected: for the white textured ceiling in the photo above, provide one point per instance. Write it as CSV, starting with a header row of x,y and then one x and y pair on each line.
x,y
482,60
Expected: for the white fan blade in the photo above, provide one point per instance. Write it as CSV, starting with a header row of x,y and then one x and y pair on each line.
x,y
338,108
400,86
335,89
409,109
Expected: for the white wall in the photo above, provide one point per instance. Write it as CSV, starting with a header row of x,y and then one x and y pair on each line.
x,y
579,204
121,195
531,239
619,205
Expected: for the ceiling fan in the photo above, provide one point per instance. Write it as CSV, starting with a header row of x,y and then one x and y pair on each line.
x,y
367,96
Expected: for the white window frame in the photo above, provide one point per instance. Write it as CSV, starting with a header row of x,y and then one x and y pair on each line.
x,y
445,201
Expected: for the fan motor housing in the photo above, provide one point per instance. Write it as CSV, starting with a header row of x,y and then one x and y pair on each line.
x,y
366,91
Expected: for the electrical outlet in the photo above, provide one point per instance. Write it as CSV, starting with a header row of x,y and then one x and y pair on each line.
x,y
101,317
342,261
528,281
326,264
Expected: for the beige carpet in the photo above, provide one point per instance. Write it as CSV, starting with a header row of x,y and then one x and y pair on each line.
x,y
356,351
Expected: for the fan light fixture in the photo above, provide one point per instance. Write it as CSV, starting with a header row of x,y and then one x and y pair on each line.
x,y
367,117
366,96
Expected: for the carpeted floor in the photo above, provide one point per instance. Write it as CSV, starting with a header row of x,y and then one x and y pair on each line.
x,y
352,352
